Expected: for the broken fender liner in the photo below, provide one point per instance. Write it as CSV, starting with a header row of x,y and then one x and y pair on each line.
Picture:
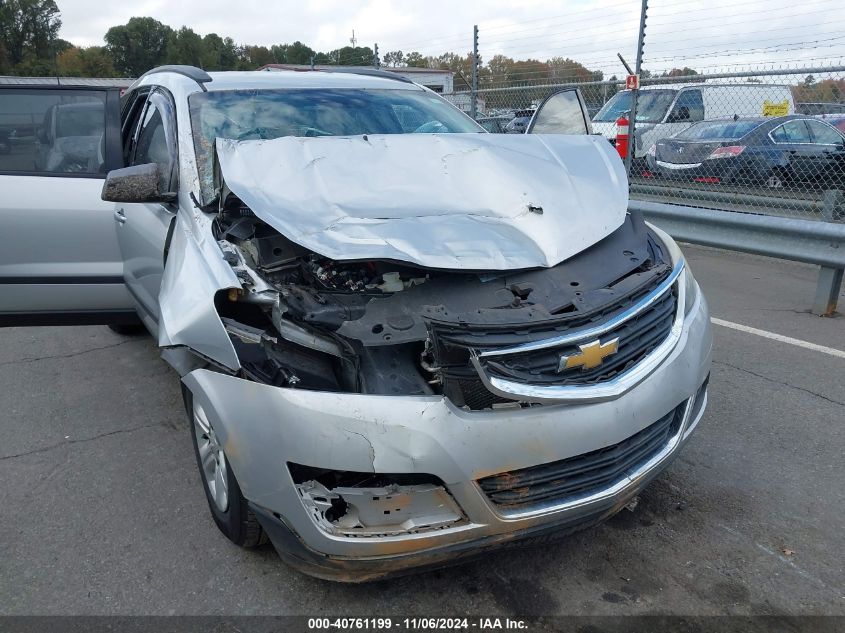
x,y
452,201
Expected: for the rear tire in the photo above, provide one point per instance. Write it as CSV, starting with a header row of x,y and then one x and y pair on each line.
x,y
228,507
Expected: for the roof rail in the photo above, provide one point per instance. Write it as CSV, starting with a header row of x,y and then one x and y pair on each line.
x,y
372,72
191,72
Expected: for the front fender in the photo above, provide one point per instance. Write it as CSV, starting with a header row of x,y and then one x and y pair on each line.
x,y
195,271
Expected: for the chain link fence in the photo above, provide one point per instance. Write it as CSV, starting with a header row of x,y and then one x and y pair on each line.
x,y
765,141
738,110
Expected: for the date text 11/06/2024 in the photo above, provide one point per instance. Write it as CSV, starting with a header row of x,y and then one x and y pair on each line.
x,y
414,624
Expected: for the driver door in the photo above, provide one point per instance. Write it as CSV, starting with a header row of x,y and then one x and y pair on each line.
x,y
563,112
144,228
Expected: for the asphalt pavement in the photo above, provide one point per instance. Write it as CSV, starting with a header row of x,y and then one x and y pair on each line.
x,y
102,511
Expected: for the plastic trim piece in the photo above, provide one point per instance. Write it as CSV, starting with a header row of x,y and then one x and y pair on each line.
x,y
630,479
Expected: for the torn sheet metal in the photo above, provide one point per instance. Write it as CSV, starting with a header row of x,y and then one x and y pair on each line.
x,y
453,201
383,511
186,300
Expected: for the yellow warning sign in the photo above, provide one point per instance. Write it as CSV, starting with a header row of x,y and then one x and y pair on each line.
x,y
775,109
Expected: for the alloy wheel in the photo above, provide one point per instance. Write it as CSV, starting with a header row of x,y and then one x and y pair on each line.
x,y
212,460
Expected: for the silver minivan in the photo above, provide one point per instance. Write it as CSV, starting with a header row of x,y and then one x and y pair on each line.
x,y
402,341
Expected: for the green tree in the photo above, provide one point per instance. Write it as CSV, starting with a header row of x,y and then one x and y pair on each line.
x,y
253,57
219,53
416,60
93,61
568,70
28,31
298,53
393,58
138,45
185,47
352,56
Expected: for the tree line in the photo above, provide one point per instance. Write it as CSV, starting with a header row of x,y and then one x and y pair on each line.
x,y
30,45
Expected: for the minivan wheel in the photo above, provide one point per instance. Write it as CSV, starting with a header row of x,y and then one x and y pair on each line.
x,y
228,507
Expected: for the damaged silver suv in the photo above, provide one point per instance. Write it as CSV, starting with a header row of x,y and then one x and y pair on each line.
x,y
402,340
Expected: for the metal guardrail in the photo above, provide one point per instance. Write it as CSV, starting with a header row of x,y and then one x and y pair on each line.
x,y
812,242
744,200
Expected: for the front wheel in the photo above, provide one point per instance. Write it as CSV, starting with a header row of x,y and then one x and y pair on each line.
x,y
228,507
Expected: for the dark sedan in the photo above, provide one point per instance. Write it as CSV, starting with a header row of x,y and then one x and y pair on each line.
x,y
771,151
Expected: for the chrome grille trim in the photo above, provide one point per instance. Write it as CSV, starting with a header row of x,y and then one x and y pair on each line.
x,y
608,390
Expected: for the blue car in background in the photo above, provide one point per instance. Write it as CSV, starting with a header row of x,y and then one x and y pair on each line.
x,y
773,151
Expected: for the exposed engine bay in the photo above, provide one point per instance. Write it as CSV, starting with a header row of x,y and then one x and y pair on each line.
x,y
304,321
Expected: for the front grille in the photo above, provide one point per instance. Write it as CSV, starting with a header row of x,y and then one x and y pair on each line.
x,y
474,394
638,337
583,474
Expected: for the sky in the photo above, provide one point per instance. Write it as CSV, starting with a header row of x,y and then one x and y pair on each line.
x,y
710,35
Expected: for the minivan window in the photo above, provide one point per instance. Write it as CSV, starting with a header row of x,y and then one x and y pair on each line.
x,y
267,114
652,106
48,132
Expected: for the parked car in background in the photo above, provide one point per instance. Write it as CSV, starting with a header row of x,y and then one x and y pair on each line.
x,y
379,373
665,110
520,121
757,151
494,124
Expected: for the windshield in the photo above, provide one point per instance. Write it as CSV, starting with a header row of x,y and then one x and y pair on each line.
x,y
718,130
266,114
651,106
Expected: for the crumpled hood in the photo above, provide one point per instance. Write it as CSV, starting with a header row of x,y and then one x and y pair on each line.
x,y
453,201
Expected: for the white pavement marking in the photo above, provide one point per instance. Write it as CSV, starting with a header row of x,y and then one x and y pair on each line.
x,y
838,353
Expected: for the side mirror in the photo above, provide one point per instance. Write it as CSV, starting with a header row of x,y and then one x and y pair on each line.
x,y
139,183
41,135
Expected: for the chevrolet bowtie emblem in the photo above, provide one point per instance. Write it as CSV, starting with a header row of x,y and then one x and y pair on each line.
x,y
591,355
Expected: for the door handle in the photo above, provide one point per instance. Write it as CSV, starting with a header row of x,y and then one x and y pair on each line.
x,y
119,216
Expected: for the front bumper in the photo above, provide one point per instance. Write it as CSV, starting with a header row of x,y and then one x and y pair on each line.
x,y
262,428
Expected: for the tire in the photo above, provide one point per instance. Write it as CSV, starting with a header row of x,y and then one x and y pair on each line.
x,y
232,514
128,329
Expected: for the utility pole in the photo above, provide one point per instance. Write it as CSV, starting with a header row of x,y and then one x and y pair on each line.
x,y
473,107
353,40
632,124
